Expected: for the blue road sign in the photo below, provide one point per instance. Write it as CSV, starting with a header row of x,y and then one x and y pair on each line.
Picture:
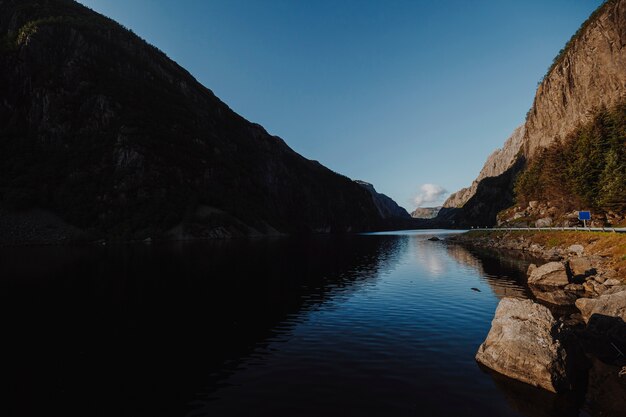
x,y
584,215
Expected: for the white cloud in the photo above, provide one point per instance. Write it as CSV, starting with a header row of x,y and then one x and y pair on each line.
x,y
430,195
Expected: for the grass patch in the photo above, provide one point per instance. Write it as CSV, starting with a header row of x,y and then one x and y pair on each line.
x,y
611,246
553,242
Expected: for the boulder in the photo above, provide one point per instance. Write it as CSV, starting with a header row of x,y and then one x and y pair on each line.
x,y
615,289
521,345
609,273
544,222
581,267
518,215
599,288
612,304
533,204
552,274
555,296
577,249
612,282
588,286
574,287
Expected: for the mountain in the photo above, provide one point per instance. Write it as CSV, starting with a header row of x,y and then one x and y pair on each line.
x,y
387,208
572,151
588,74
497,163
103,136
425,212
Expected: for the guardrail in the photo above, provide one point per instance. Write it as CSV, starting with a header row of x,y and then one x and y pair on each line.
x,y
577,229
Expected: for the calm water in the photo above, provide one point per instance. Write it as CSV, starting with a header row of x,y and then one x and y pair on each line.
x,y
373,325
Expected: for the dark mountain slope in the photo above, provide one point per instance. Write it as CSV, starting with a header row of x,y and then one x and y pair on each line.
x,y
104,130
385,204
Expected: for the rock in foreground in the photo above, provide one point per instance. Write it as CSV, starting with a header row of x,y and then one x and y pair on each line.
x,y
521,345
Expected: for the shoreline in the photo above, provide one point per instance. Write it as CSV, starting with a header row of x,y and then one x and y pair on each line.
x,y
606,250
571,335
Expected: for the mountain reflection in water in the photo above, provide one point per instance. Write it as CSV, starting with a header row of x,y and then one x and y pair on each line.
x,y
372,325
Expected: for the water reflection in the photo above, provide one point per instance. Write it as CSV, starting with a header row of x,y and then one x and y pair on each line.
x,y
505,272
535,402
121,326
382,324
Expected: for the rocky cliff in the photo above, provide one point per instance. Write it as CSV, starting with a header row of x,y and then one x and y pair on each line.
x,y
425,212
497,163
110,138
588,74
586,77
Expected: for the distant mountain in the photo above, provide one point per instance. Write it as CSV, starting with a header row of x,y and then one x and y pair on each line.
x,y
571,151
387,208
103,136
425,212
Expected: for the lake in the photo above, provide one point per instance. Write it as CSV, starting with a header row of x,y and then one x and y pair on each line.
x,y
363,325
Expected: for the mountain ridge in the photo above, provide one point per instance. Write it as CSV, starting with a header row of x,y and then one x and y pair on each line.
x,y
107,133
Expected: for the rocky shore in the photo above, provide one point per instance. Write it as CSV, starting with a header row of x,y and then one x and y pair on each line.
x,y
572,336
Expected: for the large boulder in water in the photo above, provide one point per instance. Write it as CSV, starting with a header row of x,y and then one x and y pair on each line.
x,y
521,345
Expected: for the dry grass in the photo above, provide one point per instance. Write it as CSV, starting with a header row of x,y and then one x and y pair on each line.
x,y
611,246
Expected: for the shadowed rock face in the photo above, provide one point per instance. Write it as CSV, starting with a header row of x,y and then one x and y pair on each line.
x,y
385,205
493,194
497,163
106,132
607,390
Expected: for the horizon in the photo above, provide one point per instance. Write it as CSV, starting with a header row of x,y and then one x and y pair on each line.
x,y
333,80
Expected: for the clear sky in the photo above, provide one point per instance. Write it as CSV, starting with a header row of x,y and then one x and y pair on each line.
x,y
397,93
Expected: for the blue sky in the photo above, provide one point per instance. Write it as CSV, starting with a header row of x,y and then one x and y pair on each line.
x,y
396,93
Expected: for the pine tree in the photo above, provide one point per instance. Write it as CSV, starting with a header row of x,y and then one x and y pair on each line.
x,y
612,193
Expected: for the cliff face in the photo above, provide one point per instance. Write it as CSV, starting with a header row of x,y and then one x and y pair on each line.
x,y
459,198
588,75
497,163
425,212
107,133
493,194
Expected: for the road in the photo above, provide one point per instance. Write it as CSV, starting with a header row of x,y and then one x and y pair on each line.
x,y
577,229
